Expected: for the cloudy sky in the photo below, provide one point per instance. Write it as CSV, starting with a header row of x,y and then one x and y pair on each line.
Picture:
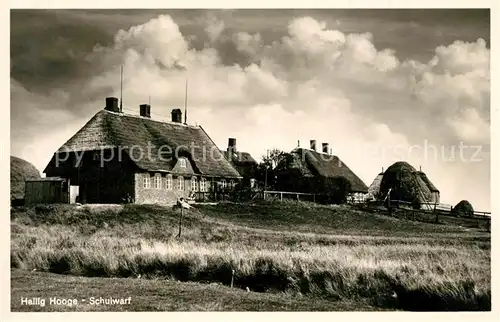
x,y
378,85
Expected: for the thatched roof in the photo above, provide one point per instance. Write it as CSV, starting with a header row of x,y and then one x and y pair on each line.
x,y
310,163
20,171
239,158
112,130
407,183
374,188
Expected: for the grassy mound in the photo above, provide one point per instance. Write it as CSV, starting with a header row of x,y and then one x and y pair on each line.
x,y
20,170
445,270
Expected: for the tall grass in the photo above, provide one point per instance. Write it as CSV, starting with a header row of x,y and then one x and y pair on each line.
x,y
426,273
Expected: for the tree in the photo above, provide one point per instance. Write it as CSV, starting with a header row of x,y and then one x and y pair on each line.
x,y
267,170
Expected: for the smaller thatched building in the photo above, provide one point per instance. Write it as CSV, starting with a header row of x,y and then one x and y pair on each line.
x,y
243,162
406,184
47,190
306,170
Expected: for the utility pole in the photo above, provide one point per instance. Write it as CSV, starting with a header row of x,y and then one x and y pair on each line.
x,y
265,180
186,99
121,88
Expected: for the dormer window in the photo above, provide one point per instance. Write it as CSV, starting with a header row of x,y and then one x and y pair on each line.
x,y
182,163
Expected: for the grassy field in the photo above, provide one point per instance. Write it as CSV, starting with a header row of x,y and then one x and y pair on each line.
x,y
342,257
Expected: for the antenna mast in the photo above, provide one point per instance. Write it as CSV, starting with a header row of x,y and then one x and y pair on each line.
x,y
121,89
185,101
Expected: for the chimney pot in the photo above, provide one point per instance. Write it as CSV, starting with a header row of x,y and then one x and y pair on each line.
x,y
177,115
112,104
145,110
313,145
325,148
231,145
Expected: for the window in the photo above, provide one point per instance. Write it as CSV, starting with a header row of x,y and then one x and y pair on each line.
x,y
232,184
180,183
194,184
223,183
182,163
202,184
168,182
157,181
146,181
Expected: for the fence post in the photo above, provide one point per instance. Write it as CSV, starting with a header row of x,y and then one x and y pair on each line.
x,y
180,223
281,196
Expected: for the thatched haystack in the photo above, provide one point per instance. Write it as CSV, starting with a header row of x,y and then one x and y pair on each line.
x,y
408,184
463,209
20,171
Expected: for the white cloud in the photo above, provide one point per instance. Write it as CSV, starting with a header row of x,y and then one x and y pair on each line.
x,y
214,27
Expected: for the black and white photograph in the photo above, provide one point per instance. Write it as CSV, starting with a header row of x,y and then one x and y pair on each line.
x,y
242,160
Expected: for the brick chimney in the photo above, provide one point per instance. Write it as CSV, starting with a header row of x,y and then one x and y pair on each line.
x,y
313,145
112,104
145,110
325,147
177,115
231,145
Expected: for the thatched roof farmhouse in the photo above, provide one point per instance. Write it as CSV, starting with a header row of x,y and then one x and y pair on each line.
x,y
137,159
406,184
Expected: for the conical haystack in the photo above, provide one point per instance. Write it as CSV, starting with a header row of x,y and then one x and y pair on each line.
x,y
463,209
20,171
407,184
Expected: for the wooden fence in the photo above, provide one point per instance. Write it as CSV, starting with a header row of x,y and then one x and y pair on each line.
x,y
435,214
289,195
